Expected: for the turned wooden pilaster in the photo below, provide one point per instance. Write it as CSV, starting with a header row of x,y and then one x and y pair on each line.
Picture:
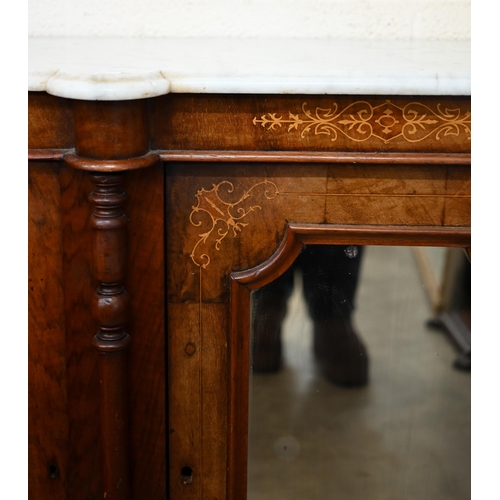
x,y
110,139
110,309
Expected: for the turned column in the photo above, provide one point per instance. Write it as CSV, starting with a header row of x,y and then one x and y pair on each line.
x,y
111,138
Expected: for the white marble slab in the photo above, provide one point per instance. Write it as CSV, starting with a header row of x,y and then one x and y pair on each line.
x,y
136,68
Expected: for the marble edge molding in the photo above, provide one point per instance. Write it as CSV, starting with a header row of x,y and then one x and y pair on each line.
x,y
100,86
126,86
335,85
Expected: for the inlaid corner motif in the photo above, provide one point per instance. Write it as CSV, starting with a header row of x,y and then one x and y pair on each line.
x,y
220,216
361,121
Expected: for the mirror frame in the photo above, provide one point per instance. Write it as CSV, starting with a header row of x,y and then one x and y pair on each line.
x,y
244,282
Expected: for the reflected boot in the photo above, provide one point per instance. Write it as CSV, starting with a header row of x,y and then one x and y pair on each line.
x,y
267,315
341,355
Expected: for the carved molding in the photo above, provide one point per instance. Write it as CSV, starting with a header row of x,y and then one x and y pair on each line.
x,y
360,121
232,156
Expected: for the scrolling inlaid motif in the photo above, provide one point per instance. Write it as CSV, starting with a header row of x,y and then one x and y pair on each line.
x,y
361,121
223,216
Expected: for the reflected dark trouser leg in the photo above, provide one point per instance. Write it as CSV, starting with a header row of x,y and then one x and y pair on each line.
x,y
331,275
269,306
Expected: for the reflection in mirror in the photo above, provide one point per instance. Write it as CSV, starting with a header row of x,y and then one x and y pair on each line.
x,y
360,376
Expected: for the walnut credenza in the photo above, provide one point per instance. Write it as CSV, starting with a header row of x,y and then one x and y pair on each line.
x,y
152,219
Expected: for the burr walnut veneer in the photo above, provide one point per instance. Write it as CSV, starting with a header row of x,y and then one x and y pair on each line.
x,y
150,222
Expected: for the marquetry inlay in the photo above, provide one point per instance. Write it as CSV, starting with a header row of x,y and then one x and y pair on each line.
x,y
361,121
224,216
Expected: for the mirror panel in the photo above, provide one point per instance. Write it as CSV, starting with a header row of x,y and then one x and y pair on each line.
x,y
354,391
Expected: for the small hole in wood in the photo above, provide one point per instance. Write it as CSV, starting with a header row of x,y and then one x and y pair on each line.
x,y
53,471
187,475
190,349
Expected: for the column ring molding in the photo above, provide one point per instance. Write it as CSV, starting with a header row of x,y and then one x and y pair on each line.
x,y
108,166
111,346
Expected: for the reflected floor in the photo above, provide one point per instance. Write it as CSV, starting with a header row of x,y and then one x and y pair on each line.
x,y
405,436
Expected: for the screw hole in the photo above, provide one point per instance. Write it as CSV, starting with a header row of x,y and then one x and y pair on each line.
x,y
190,349
53,471
187,475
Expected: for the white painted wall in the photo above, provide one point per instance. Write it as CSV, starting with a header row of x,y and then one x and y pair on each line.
x,y
367,19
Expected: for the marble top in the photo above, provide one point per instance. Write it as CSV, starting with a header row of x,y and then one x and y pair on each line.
x,y
136,68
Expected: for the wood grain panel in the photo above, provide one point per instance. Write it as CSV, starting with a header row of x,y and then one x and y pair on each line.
x,y
185,393
111,130
387,179
227,221
82,357
458,180
198,389
390,210
50,121
311,123
48,433
215,384
145,284
457,212
186,254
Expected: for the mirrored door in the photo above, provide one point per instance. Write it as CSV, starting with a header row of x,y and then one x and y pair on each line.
x,y
354,391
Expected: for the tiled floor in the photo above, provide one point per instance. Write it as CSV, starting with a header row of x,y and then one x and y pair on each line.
x,y
404,436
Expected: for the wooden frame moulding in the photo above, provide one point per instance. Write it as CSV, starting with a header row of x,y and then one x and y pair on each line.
x,y
272,157
244,282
